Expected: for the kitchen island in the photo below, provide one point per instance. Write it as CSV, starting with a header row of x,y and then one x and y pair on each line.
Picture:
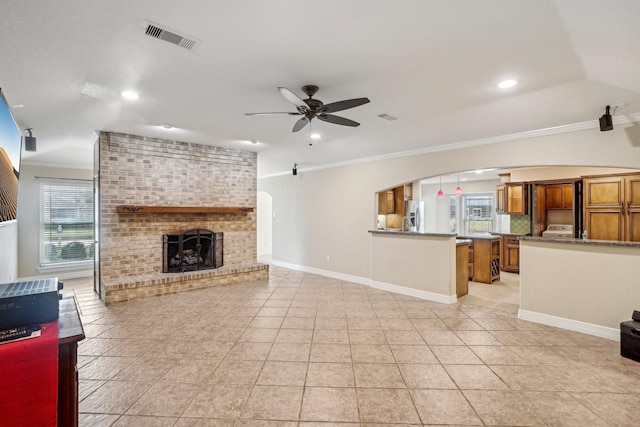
x,y
588,286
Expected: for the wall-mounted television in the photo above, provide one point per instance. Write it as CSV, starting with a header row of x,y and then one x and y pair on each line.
x,y
10,149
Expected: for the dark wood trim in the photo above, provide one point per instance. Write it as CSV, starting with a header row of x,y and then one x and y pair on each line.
x,y
69,333
132,209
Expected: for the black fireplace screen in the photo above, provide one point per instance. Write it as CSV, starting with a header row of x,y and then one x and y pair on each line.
x,y
196,249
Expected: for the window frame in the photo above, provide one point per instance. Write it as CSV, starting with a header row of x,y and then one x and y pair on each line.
x,y
45,186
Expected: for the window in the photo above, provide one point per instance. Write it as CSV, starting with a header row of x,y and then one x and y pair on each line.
x,y
471,213
478,213
66,222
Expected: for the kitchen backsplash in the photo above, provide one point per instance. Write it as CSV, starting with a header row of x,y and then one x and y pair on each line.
x,y
520,224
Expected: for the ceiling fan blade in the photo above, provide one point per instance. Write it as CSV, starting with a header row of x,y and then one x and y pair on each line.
x,y
337,120
343,105
294,99
300,124
271,114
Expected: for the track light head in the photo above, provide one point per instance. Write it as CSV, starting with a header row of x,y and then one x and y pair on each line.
x,y
29,141
606,122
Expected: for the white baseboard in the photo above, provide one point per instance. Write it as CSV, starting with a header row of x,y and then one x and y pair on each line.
x,y
320,272
571,325
402,290
426,295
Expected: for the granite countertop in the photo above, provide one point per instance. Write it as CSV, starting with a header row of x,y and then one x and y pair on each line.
x,y
581,241
410,233
480,236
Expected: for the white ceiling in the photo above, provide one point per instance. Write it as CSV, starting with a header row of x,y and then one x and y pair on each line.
x,y
433,64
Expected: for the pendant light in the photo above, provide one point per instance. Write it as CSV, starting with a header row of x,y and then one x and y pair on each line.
x,y
458,189
440,192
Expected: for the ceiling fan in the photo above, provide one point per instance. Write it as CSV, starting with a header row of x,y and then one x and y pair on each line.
x,y
313,108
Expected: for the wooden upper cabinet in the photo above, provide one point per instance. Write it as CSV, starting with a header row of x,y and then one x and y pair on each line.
x,y
391,201
604,224
560,196
516,198
500,199
606,192
408,192
612,207
633,191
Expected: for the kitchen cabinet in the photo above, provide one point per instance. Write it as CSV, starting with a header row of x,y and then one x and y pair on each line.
x,y
516,198
398,193
510,260
408,192
612,207
386,202
391,203
541,210
462,268
484,259
560,196
470,264
501,204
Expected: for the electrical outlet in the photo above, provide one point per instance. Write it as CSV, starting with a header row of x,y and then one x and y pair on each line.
x,y
328,258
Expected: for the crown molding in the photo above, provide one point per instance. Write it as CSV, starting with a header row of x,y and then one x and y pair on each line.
x,y
574,127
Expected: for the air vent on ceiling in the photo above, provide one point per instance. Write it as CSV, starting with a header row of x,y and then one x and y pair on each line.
x,y
387,117
173,37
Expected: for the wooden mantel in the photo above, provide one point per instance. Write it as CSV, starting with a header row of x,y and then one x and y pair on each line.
x,y
136,209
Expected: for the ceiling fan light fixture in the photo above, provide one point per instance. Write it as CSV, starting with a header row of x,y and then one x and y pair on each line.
x,y
315,135
130,94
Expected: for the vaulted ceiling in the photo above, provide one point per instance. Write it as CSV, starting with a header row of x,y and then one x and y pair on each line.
x,y
432,64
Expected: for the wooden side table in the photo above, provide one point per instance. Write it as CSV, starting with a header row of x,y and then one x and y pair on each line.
x,y
70,332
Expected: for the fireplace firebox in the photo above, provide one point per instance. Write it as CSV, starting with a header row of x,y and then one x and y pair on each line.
x,y
195,249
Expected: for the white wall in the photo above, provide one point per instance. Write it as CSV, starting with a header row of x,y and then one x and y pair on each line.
x,y
263,224
330,211
29,220
584,287
8,251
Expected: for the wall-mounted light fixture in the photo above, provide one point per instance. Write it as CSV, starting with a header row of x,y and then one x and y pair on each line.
x,y
606,122
295,169
29,141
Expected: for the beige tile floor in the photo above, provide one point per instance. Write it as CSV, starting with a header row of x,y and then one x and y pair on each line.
x,y
309,351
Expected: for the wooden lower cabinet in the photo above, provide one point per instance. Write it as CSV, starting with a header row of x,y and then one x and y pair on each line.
x,y
510,253
462,268
470,267
485,267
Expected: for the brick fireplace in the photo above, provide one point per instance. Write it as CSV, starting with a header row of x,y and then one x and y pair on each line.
x,y
217,184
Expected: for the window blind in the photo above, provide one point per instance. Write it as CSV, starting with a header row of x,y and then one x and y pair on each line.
x,y
66,222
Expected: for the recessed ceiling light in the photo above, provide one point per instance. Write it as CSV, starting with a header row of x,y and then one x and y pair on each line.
x,y
18,106
506,84
129,94
167,126
254,141
315,136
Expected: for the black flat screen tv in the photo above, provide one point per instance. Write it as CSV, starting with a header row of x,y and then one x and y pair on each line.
x,y
10,149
